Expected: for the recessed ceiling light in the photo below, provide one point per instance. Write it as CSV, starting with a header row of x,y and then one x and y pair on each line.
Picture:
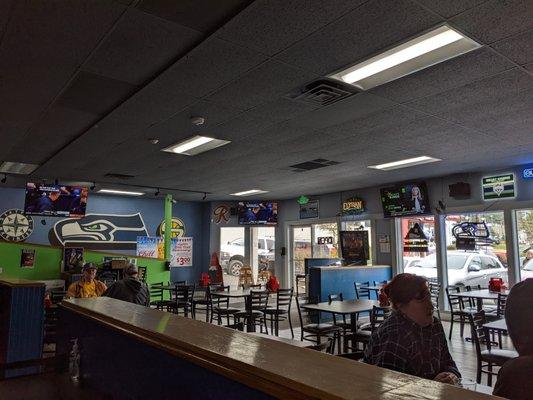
x,y
17,168
436,46
196,145
409,162
124,192
249,192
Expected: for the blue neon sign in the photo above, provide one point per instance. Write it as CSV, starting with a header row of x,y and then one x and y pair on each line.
x,y
528,173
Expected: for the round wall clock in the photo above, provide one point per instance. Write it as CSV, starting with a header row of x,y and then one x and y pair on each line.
x,y
15,226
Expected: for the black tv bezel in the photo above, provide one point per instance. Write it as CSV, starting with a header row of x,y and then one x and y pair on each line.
x,y
400,185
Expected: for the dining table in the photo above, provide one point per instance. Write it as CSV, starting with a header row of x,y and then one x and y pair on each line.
x,y
236,294
480,295
346,307
498,325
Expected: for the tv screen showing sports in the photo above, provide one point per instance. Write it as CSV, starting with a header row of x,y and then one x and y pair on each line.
x,y
408,199
55,200
258,213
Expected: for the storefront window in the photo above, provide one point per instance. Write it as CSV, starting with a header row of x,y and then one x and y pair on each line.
x,y
485,257
301,248
232,253
420,259
265,239
326,239
364,225
524,225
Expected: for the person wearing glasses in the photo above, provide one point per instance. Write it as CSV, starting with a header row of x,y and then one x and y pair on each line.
x,y
411,339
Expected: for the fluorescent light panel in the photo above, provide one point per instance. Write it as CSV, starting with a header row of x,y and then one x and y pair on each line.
x,y
249,192
409,162
195,145
9,167
436,46
124,192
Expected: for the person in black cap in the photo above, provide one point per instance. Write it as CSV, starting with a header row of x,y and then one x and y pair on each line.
x,y
130,289
514,378
88,285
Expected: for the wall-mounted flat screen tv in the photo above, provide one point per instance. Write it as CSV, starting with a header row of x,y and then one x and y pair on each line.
x,y
406,199
258,213
55,200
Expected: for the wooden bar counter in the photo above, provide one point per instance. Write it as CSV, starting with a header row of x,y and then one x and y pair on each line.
x,y
134,352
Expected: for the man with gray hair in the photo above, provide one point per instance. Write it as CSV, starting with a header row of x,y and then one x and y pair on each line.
x,y
130,289
514,379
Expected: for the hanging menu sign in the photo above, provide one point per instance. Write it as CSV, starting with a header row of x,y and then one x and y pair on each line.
x,y
353,205
498,187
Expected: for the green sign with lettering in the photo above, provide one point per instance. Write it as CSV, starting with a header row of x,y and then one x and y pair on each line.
x,y
498,187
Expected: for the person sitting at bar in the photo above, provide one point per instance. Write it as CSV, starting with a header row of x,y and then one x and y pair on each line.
x,y
411,340
514,378
88,285
130,289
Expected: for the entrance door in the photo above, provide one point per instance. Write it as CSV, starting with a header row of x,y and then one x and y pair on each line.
x,y
301,249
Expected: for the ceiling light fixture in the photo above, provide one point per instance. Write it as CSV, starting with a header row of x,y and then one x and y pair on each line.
x,y
17,168
436,46
195,145
124,192
249,192
409,162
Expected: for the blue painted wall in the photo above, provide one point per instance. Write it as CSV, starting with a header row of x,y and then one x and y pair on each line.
x,y
195,215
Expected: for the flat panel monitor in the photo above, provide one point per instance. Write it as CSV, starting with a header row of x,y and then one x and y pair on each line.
x,y
55,200
406,199
258,213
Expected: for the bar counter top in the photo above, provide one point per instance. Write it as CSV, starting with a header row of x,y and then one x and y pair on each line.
x,y
276,368
20,282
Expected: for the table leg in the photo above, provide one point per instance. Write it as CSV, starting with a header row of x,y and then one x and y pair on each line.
x,y
250,326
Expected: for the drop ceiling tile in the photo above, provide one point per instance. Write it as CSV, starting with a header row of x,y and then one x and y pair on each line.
x,y
139,47
209,66
201,15
449,8
359,34
94,93
264,83
496,19
459,71
518,48
271,26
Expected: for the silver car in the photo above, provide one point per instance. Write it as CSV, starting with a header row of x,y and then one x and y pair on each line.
x,y
464,268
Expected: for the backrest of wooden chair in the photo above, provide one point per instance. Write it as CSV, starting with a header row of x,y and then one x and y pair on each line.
x,y
284,299
361,290
258,299
156,294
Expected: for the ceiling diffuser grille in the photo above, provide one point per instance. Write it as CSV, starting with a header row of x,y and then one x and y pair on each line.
x,y
313,164
322,92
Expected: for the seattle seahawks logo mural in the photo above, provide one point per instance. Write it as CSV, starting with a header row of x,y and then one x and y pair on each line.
x,y
99,231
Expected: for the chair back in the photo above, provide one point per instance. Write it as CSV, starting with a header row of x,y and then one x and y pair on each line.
x,y
216,301
257,286
324,347
454,302
502,302
361,290
301,284
434,292
479,333
335,297
307,316
156,294
258,300
57,295
184,294
377,316
284,299
142,273
378,283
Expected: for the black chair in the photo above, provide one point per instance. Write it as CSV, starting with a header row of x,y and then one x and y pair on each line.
x,y
486,358
182,299
313,330
345,324
301,278
257,286
238,326
378,283
361,290
108,277
156,297
202,303
219,306
459,311
377,317
434,292
57,295
497,314
281,312
254,312
325,347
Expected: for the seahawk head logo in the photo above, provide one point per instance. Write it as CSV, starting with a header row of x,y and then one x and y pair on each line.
x,y
100,230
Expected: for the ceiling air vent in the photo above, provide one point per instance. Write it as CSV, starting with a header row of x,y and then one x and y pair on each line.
x,y
119,176
322,92
313,164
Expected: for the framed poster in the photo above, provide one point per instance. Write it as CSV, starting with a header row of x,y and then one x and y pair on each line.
x,y
150,247
72,258
355,246
27,258
498,187
309,210
181,252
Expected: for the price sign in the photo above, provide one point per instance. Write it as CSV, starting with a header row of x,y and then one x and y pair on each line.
x,y
181,251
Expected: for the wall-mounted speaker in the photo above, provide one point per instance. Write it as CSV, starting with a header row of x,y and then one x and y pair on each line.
x,y
459,190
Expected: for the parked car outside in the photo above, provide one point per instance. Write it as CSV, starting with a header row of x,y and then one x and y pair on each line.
x,y
410,261
232,254
527,270
464,268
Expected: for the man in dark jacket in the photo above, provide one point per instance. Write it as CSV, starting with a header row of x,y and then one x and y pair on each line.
x,y
130,289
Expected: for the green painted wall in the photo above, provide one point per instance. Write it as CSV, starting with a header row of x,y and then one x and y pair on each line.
x,y
48,262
